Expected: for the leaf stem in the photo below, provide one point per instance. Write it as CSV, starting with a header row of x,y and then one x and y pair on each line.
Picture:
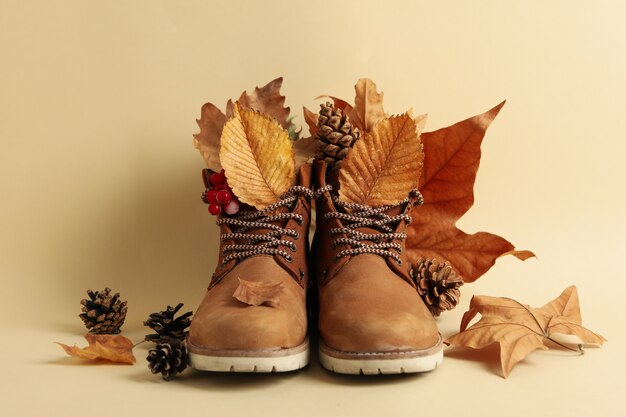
x,y
580,347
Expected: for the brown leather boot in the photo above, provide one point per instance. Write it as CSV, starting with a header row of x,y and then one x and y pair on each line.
x,y
268,246
371,318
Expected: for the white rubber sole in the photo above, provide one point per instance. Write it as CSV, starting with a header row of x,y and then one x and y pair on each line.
x,y
259,361
381,363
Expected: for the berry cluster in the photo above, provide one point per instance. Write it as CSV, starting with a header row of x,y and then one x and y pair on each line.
x,y
219,195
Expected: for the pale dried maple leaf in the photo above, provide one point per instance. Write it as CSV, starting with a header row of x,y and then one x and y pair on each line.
x,y
520,329
267,100
112,348
256,293
257,156
451,160
386,176
368,106
211,123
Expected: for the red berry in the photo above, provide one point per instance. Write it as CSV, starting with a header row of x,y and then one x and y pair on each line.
x,y
218,178
223,197
211,197
232,207
215,209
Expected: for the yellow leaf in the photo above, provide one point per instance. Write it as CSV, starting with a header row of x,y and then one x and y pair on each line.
x,y
257,156
385,164
112,348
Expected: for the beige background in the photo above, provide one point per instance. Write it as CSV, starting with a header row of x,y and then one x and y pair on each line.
x,y
100,185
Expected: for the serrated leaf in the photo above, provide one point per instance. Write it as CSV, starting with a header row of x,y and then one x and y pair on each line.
x,y
256,293
266,100
384,165
368,105
520,329
257,156
112,348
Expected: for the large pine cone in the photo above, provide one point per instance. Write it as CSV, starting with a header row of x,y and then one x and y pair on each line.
x,y
168,359
167,327
103,313
437,284
336,134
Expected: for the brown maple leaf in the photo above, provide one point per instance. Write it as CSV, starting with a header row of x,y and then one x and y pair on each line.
x,y
256,293
112,348
451,160
520,329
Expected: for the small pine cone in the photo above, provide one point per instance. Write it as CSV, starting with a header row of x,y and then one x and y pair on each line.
x,y
103,313
168,359
336,134
437,284
167,327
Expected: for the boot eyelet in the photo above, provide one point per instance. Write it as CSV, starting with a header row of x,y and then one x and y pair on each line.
x,y
399,262
296,236
289,258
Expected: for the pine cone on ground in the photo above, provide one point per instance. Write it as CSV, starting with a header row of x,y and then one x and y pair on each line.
x,y
437,284
168,359
103,313
167,327
336,134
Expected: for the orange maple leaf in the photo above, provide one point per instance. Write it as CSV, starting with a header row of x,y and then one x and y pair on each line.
x,y
112,348
520,329
451,160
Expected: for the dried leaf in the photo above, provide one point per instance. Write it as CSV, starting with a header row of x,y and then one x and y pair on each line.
x,y
384,165
304,150
311,120
451,159
520,329
211,123
266,99
256,293
258,157
112,348
368,106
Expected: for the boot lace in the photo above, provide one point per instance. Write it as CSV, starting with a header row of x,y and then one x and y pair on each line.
x,y
365,216
269,243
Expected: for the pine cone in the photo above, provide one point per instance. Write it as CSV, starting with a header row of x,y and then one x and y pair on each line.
x,y
103,313
437,284
168,359
167,327
336,134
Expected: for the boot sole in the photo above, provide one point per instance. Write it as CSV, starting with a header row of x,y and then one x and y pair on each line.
x,y
257,361
381,363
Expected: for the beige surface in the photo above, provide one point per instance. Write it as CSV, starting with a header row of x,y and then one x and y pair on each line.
x,y
100,184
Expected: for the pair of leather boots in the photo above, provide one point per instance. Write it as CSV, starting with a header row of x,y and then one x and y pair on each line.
x,y
370,317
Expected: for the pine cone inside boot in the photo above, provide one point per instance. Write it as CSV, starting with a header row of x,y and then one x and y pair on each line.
x,y
167,327
336,134
437,284
103,313
168,359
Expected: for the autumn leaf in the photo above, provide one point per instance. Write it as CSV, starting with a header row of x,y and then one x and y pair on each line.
x,y
211,123
266,99
257,156
386,176
256,293
520,329
451,160
368,106
112,348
